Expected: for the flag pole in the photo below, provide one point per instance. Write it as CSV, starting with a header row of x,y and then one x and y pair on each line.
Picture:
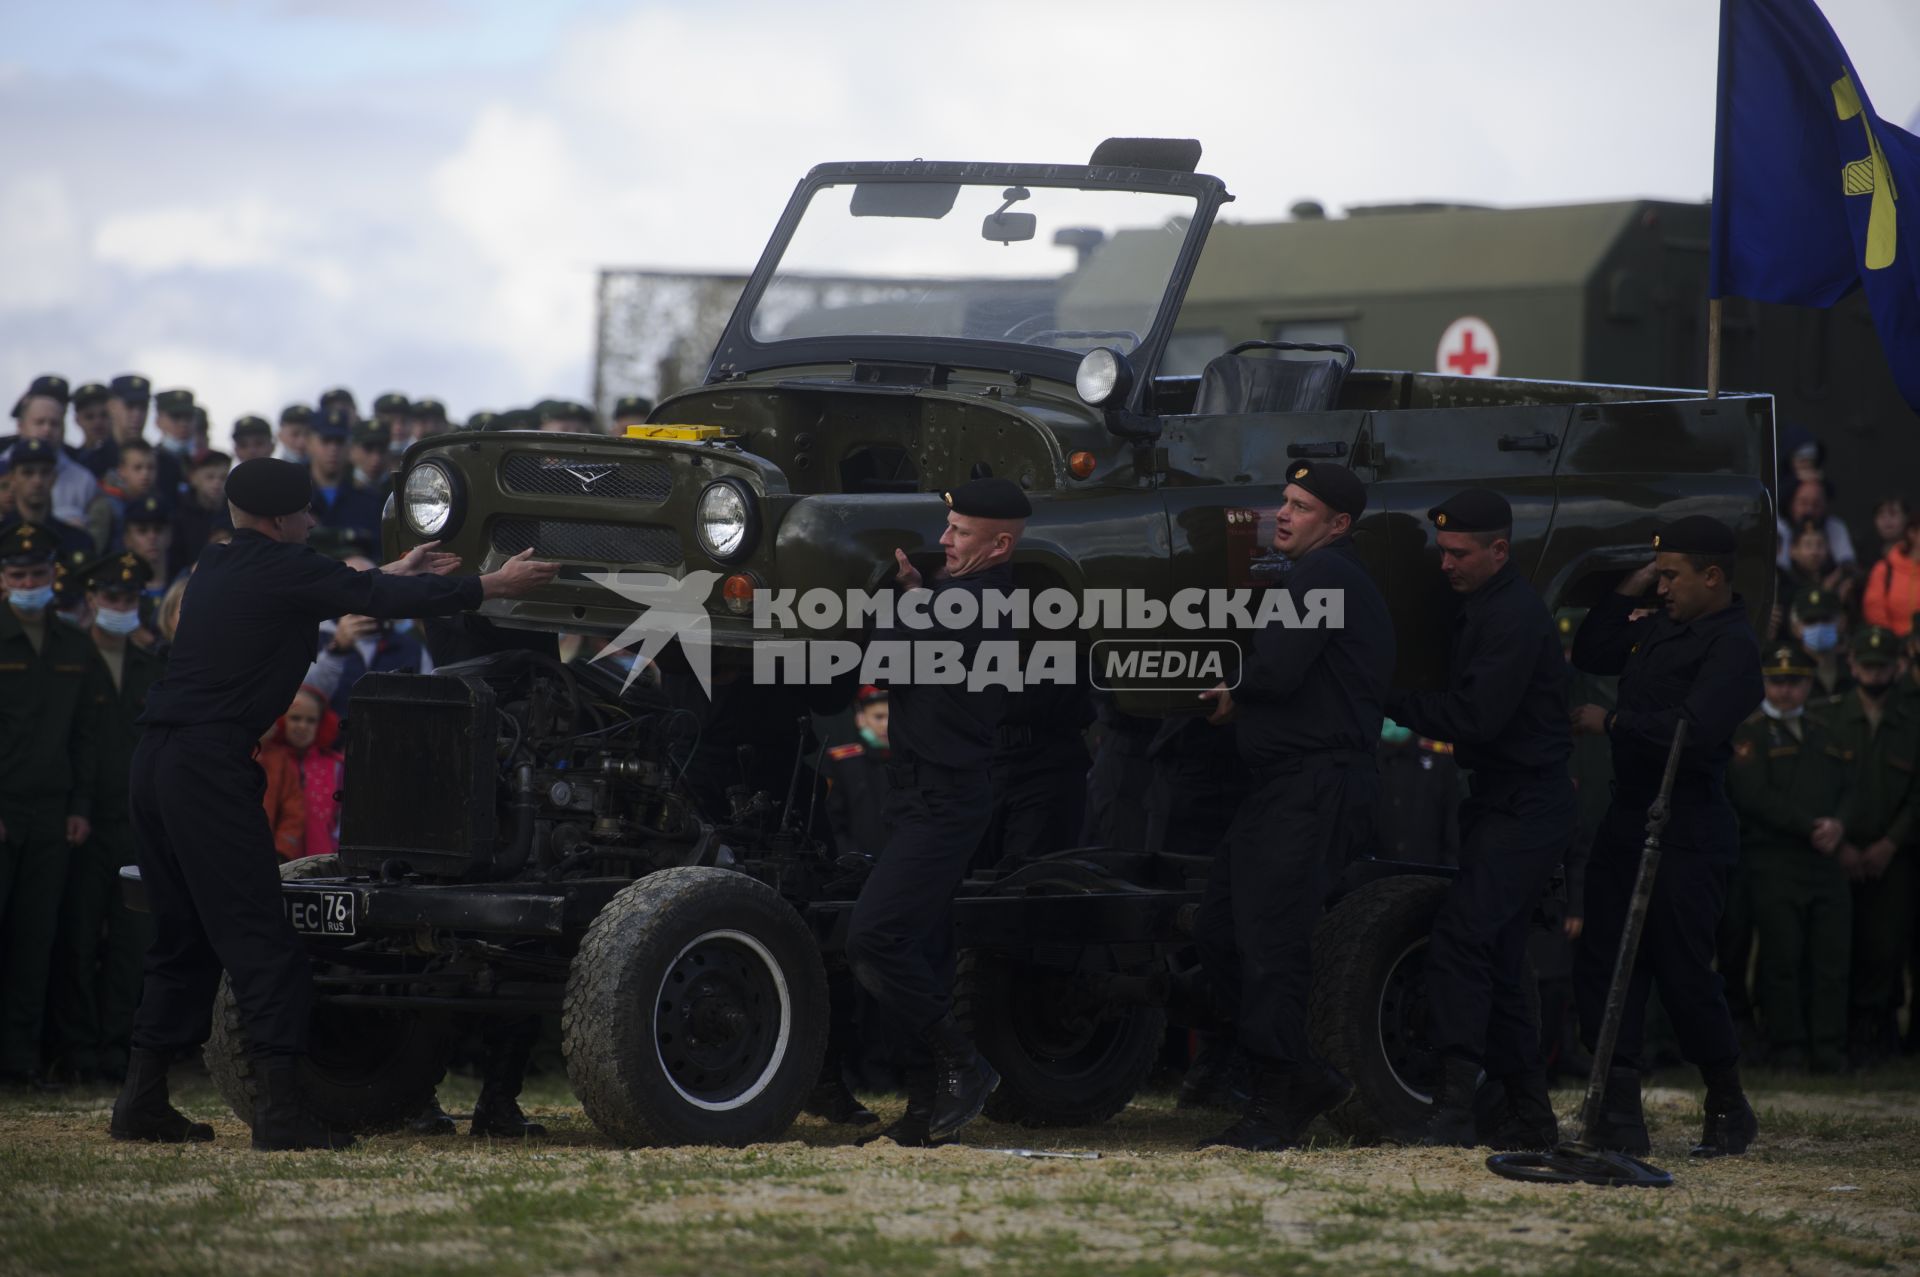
x,y
1713,348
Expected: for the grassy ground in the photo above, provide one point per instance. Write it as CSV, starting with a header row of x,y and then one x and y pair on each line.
x,y
1833,1187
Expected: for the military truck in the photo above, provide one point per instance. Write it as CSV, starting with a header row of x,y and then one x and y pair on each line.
x,y
516,837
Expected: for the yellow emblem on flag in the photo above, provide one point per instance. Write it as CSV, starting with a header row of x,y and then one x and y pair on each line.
x,y
1869,176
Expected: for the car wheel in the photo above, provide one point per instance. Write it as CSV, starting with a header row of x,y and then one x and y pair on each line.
x,y
696,1011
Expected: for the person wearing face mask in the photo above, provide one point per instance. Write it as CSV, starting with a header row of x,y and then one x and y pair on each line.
x,y
1882,734
1693,658
1788,782
97,956
50,687
1818,623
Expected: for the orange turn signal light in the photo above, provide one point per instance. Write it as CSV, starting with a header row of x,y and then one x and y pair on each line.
x,y
1080,464
737,592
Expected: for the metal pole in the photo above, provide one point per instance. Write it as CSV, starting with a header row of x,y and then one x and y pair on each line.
x,y
1630,939
1713,348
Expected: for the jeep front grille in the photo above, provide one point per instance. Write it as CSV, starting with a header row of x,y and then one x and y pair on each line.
x,y
546,475
595,542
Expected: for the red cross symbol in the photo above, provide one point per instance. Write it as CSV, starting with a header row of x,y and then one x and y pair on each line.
x,y
1468,348
1467,359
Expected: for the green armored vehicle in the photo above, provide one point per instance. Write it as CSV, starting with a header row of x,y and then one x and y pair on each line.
x,y
515,836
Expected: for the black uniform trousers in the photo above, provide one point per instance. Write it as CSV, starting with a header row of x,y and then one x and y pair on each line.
x,y
1677,946
213,884
1267,889
96,962
1515,830
1039,798
900,938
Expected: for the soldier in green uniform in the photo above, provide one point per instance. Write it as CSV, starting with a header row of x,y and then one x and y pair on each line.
x,y
1788,781
1882,734
96,963
49,681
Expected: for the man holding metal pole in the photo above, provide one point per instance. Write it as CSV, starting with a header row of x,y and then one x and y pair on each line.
x,y
1696,660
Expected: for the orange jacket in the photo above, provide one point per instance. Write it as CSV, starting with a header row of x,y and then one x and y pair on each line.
x,y
286,808
1893,592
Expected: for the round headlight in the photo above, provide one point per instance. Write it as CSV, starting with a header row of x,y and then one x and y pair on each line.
x,y
1104,377
429,499
725,521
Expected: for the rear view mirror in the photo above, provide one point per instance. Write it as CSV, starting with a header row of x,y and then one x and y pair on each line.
x,y
904,199
1006,228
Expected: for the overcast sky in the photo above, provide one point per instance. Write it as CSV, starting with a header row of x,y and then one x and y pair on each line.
x,y
260,198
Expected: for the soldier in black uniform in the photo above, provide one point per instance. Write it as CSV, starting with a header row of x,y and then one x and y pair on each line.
x,y
1040,764
1695,658
205,849
900,937
1308,711
1504,710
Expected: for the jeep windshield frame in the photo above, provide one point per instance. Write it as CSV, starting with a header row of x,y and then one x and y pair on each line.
x,y
740,353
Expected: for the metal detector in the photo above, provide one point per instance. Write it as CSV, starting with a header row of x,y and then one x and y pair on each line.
x,y
1575,1161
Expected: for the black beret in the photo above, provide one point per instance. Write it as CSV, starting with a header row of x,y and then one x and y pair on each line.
x,y
1876,646
126,571
392,402
175,403
269,487
1334,484
252,427
90,394
26,545
989,499
297,413
432,409
1696,534
1786,659
131,387
1473,510
31,452
632,406
148,509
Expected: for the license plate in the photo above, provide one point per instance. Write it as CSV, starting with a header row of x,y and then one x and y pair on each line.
x,y
321,913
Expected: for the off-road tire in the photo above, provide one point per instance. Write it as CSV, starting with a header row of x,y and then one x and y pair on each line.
x,y
646,1071
1053,1072
366,1070
1369,1022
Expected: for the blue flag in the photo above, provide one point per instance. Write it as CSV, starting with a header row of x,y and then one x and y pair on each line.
x,y
1813,194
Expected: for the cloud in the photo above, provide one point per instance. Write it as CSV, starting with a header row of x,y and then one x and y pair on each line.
x,y
247,232
47,264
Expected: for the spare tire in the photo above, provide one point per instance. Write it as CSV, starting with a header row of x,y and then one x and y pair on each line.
x,y
366,1068
1369,1005
696,1011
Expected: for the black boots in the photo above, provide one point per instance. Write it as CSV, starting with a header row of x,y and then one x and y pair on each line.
x,y
1730,1125
962,1079
910,1129
281,1122
1218,1078
831,1100
430,1120
1282,1105
1622,1127
497,1111
1524,1121
1451,1121
143,1111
